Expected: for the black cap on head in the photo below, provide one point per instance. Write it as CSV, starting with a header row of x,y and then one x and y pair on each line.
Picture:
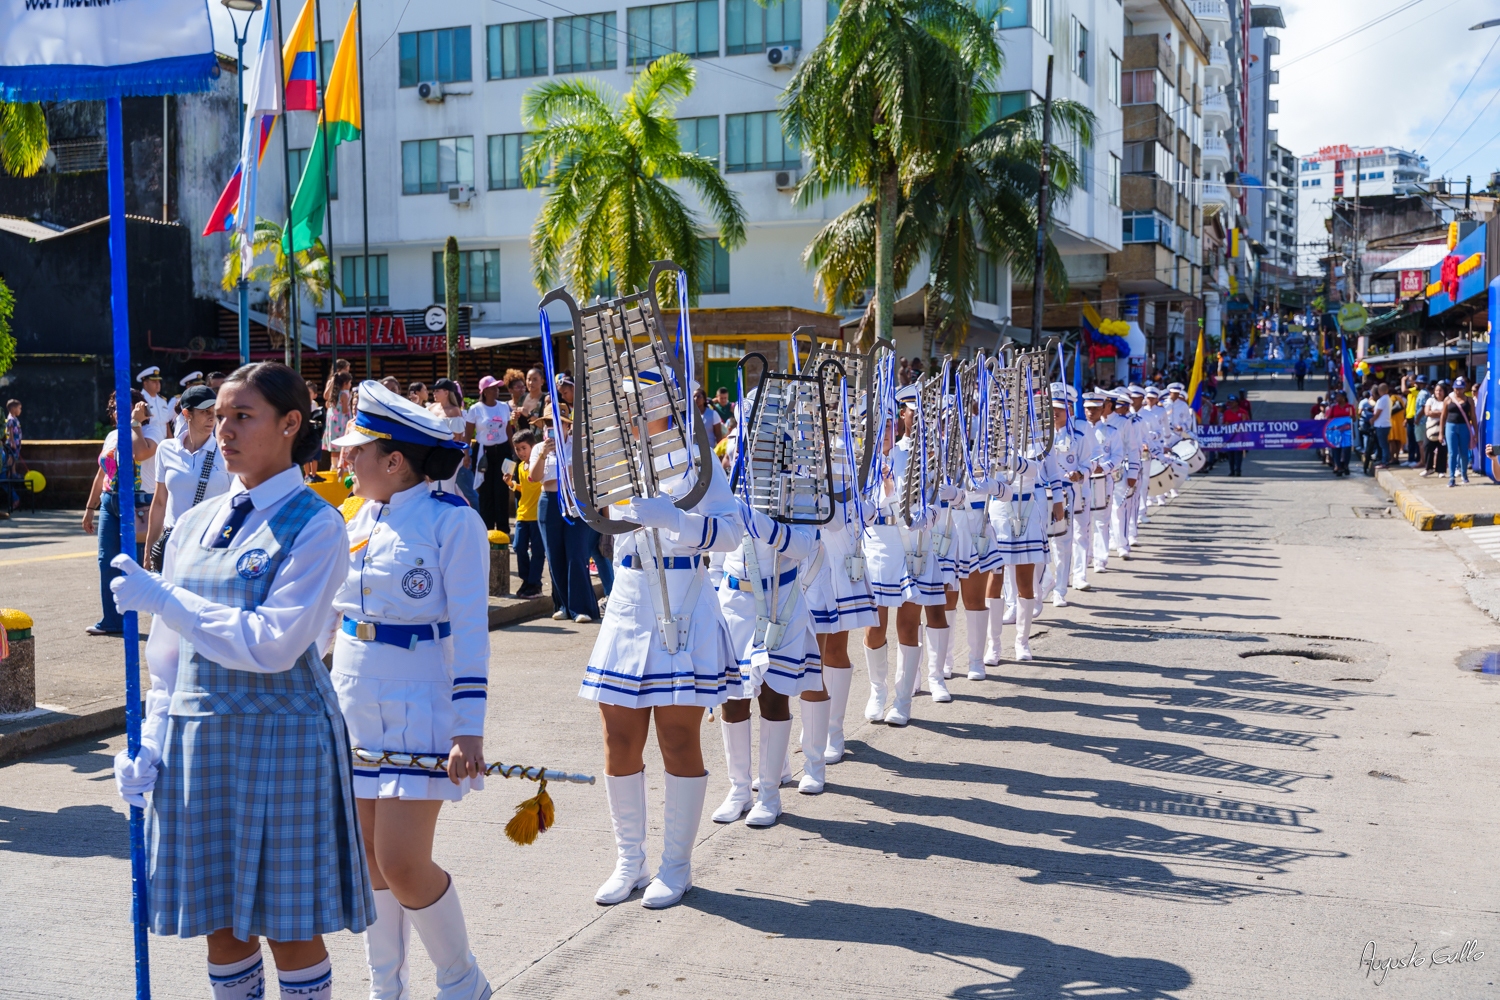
x,y
199,397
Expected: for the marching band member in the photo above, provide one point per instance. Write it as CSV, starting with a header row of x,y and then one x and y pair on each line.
x,y
885,559
1020,515
662,664
411,668
252,821
1113,468
1094,489
1150,449
1127,426
1181,419
1156,419
1074,450
974,539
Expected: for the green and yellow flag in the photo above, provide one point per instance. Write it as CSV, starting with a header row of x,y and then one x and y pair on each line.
x,y
341,121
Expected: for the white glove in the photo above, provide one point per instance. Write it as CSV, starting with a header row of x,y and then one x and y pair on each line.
x,y
134,778
139,589
655,512
948,492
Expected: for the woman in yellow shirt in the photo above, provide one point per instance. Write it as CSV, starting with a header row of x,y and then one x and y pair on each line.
x,y
530,556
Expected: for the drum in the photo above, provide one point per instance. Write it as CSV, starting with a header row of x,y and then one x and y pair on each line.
x,y
1098,496
1060,526
1179,470
1191,454
1161,479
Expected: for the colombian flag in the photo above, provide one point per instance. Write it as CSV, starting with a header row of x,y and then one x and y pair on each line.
x,y
299,60
1195,387
228,205
342,120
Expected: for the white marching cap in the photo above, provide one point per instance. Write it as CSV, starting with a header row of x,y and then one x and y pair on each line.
x,y
1136,390
190,378
1095,398
909,393
384,415
652,376
1177,387
1152,392
150,371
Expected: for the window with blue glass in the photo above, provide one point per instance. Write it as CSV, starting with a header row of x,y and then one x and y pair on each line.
x,y
429,166
699,135
516,50
1147,227
354,280
441,55
478,276
713,262
585,42
754,142
691,27
749,27
505,154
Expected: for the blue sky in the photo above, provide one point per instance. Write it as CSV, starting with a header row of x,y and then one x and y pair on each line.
x,y
1393,83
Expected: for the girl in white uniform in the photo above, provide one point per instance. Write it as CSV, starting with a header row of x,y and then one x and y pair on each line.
x,y
1019,515
840,600
662,664
411,668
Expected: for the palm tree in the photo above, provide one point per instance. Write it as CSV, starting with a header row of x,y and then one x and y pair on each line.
x,y
314,271
610,162
886,95
23,139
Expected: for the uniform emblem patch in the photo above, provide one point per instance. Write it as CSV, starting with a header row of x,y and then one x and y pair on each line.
x,y
253,564
417,583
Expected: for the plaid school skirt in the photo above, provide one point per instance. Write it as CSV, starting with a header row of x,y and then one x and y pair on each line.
x,y
249,830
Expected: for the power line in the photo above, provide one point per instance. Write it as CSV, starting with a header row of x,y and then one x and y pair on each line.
x,y
1460,97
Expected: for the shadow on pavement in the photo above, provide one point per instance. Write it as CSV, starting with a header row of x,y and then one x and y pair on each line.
x,y
1177,697
1178,723
71,832
1047,970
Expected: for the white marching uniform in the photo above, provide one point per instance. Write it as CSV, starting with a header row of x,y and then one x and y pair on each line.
x,y
885,556
1074,449
1113,464
412,651
788,663
630,664
1020,512
836,599
1124,506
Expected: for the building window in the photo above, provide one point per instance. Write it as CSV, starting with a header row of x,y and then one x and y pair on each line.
x,y
988,286
326,52
832,11
516,50
1041,17
1006,104
1114,79
296,162
1080,50
504,158
435,55
754,142
699,135
1147,227
478,276
1114,180
749,27
714,259
354,281
429,166
1085,162
1138,87
691,27
585,42
1015,14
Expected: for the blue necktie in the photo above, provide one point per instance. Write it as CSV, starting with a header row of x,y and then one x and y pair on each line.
x,y
242,507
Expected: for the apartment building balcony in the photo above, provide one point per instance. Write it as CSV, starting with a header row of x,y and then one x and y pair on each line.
x,y
1215,154
1149,123
1218,72
1216,193
1216,113
1145,193
1213,16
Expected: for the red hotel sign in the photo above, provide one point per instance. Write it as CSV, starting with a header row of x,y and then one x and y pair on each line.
x,y
390,334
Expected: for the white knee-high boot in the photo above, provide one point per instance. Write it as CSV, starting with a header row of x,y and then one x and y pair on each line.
x,y
837,681
1008,591
737,763
627,814
774,737
1023,631
1039,572
814,743
386,942
939,643
908,659
877,664
993,630
977,622
446,938
679,833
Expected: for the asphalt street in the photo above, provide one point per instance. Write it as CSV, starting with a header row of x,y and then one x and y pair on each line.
x,y
1248,761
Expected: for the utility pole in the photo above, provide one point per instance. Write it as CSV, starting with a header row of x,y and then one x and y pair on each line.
x,y
1354,258
1037,276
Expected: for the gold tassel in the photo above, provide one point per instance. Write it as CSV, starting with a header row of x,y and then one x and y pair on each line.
x,y
533,817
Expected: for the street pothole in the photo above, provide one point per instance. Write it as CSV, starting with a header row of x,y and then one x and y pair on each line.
x,y
1301,654
1387,776
1480,661
1374,512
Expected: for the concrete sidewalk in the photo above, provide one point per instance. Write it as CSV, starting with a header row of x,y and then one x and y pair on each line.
x,y
49,569
1431,505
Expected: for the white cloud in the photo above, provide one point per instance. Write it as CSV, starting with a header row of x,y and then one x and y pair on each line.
x,y
1392,83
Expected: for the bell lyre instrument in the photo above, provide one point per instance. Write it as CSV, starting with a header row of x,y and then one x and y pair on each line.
x,y
919,487
858,372
784,467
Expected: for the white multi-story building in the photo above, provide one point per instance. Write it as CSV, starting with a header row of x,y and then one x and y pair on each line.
x,y
443,91
1342,172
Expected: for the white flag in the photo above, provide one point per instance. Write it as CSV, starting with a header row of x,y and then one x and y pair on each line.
x,y
263,105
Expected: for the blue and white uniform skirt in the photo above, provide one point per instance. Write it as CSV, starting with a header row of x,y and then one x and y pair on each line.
x,y
629,665
926,582
973,541
835,602
1029,544
794,667
885,563
399,700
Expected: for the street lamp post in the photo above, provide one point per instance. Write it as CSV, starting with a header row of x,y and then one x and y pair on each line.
x,y
248,7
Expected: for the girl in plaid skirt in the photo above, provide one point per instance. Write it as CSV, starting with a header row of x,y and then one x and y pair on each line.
x,y
244,752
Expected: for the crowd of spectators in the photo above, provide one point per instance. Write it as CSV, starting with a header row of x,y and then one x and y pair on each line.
x,y
1412,424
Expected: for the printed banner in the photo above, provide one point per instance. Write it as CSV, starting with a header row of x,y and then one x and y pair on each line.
x,y
1270,434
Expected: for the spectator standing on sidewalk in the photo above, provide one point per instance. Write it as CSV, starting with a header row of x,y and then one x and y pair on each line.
x,y
1340,431
1416,419
338,410
448,404
531,555
10,457
1458,430
1300,370
189,470
1436,457
1382,425
489,428
104,499
1236,412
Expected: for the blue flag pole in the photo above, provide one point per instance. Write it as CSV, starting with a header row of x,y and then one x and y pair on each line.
x,y
1078,382
1489,420
119,307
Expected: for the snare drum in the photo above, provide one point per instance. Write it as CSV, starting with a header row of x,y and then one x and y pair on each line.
x,y
1161,478
1061,525
1098,496
1191,454
1179,470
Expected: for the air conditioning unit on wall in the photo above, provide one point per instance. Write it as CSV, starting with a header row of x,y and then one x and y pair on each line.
x,y
786,180
430,91
782,56
460,194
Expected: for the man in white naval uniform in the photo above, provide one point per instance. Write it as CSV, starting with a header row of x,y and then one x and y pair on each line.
x,y
1111,458
1075,448
1156,419
1151,445
1126,424
1181,420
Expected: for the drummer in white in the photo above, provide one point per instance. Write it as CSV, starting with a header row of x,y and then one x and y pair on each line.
x,y
1074,449
1127,425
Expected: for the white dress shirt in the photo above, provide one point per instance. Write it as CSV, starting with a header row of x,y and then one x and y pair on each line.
x,y
296,613
178,471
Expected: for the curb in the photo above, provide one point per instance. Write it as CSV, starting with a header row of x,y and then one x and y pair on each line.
x,y
1422,515
59,727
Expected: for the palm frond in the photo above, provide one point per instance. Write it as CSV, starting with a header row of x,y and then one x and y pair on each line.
x,y
23,139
